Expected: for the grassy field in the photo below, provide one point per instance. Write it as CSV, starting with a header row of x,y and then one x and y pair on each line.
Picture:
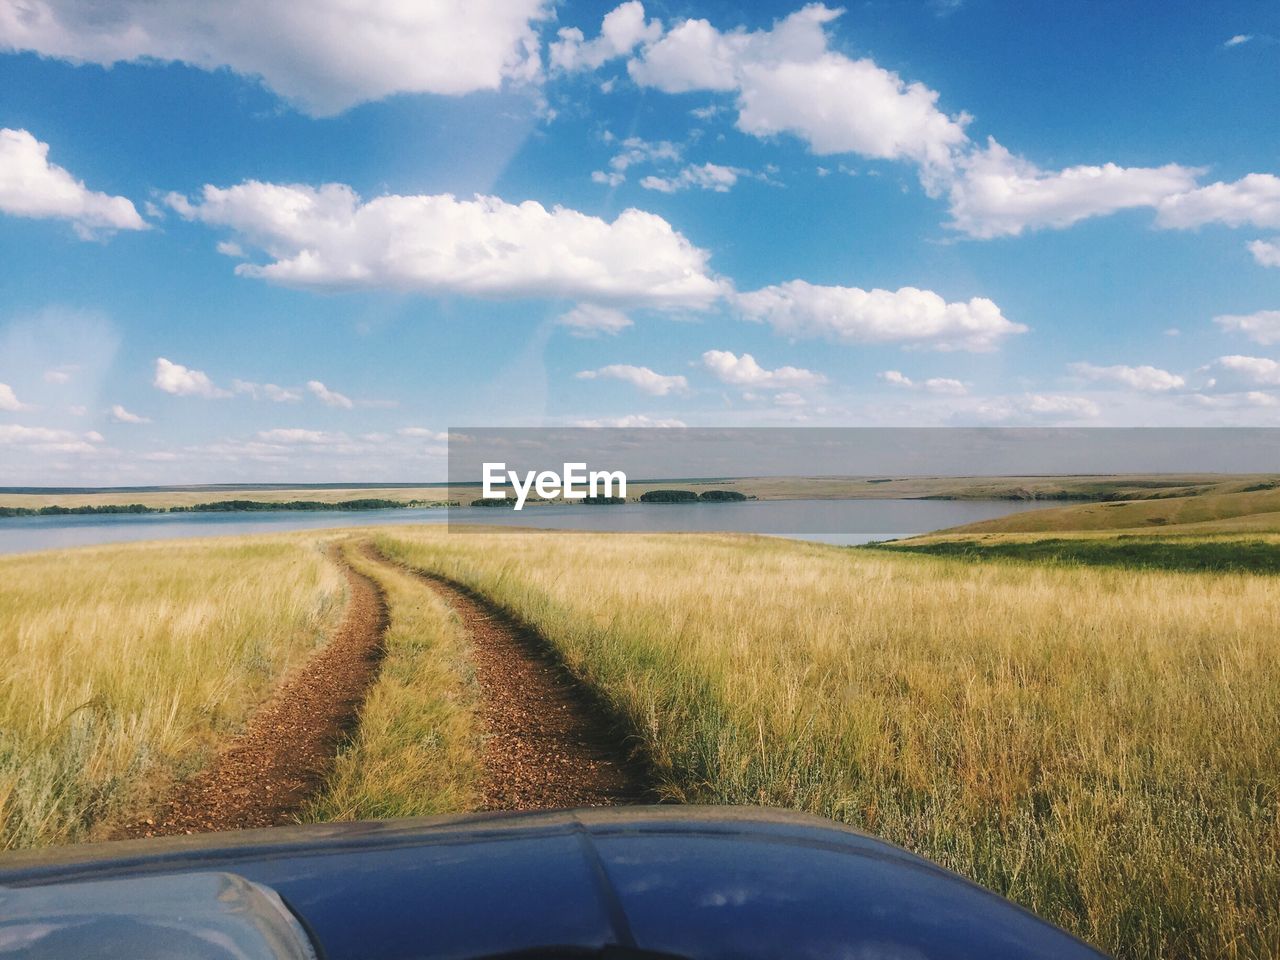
x,y
1098,742
122,667
1102,745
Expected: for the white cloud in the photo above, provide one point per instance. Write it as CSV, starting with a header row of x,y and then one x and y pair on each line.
x,y
852,315
940,385
294,435
267,391
31,186
229,249
62,374
589,320
182,381
609,179
422,433
640,377
789,399
1266,253
788,81
329,238
120,415
330,398
1237,40
744,371
324,55
998,194
48,440
1033,408
1240,373
635,150
622,29
632,420
1261,327
706,176
8,399
1253,199
1145,378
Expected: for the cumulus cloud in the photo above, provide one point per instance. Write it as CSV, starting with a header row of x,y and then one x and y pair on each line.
x,y
621,31
324,55
942,385
31,186
436,244
8,399
120,415
642,378
706,176
999,194
330,398
1242,373
1147,379
1266,253
182,381
590,320
1261,327
744,371
852,315
788,81
1252,200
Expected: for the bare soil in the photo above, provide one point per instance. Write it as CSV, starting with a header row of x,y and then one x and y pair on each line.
x,y
266,774
549,744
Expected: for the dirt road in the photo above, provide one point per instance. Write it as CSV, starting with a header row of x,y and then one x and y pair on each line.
x,y
548,744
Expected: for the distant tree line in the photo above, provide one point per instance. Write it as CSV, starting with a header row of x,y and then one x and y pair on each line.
x,y
689,496
221,506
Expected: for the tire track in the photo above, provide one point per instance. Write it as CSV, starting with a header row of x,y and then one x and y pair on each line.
x,y
263,777
549,744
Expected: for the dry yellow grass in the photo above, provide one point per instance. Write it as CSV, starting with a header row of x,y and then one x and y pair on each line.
x,y
120,667
417,749
1102,745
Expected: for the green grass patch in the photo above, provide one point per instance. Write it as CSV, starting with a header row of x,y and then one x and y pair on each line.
x,y
1192,555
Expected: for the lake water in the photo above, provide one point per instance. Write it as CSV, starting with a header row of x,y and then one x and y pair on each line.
x,y
844,522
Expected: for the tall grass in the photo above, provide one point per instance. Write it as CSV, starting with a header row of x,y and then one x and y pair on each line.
x,y
121,667
416,751
1101,745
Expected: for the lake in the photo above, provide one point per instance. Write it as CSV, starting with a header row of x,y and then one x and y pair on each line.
x,y
844,522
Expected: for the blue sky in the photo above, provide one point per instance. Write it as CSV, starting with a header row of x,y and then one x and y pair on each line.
x,y
300,244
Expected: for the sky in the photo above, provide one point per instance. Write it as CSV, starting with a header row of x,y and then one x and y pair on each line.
x,y
301,241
